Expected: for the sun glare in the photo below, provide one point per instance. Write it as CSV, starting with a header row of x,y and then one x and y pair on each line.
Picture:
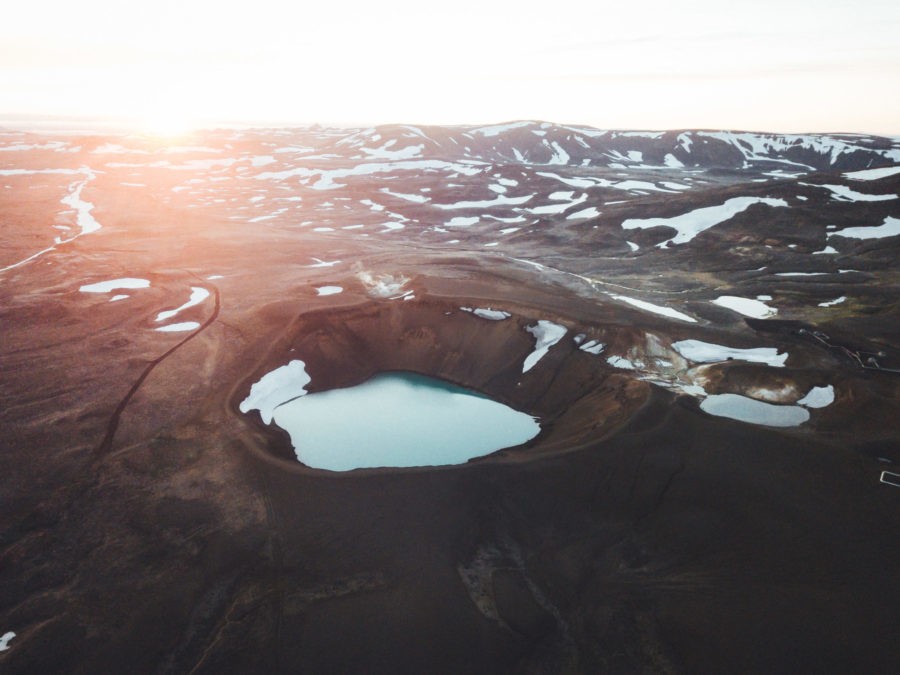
x,y
166,125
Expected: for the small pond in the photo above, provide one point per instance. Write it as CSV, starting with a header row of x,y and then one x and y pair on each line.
x,y
391,420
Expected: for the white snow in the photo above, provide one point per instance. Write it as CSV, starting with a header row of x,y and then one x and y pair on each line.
x,y
497,129
31,172
842,193
589,212
655,309
559,156
592,347
408,152
117,298
633,246
327,178
198,295
692,223
417,199
890,228
746,306
760,147
550,209
621,362
818,397
329,290
179,327
114,284
828,250
546,334
832,303
5,640
576,182
707,352
500,200
487,313
276,388
672,162
801,274
744,409
323,263
461,221
873,174
83,209
639,134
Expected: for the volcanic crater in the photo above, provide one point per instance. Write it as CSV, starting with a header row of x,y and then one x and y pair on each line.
x,y
576,396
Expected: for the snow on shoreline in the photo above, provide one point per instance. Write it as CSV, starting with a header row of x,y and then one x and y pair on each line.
x,y
275,388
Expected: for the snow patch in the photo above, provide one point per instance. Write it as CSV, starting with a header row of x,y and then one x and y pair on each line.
x,y
592,347
655,309
832,303
115,284
873,174
487,313
890,228
746,306
179,327
818,397
842,193
276,388
692,223
198,295
707,352
546,334
329,290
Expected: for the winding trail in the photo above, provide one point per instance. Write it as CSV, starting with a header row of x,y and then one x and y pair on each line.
x,y
112,426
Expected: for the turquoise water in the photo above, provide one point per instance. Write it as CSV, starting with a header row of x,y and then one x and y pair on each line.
x,y
399,420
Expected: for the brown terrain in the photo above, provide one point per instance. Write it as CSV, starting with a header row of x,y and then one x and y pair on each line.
x,y
151,527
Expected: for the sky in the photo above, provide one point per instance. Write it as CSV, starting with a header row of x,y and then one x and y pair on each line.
x,y
767,65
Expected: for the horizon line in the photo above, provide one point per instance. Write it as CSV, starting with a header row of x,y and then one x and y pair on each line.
x,y
69,124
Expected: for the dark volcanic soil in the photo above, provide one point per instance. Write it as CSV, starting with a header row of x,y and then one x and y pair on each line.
x,y
149,526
